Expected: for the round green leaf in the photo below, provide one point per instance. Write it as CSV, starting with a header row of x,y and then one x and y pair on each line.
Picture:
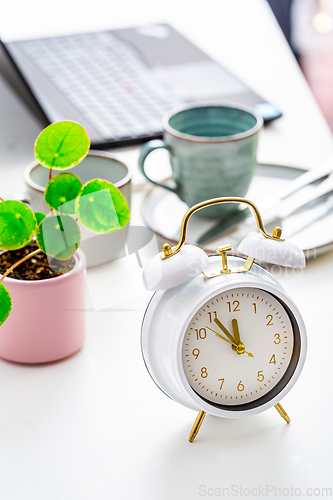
x,y
17,224
61,191
62,145
101,207
5,303
58,236
39,217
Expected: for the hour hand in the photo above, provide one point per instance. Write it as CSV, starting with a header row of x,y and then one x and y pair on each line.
x,y
238,347
235,330
225,331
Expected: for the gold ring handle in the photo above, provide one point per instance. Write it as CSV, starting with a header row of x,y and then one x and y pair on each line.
x,y
169,252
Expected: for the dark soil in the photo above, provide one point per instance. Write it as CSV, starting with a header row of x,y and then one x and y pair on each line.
x,y
35,268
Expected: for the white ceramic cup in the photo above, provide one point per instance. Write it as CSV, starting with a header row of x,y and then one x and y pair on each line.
x,y
98,248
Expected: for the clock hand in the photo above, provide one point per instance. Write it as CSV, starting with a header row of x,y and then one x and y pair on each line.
x,y
225,331
221,336
239,348
235,330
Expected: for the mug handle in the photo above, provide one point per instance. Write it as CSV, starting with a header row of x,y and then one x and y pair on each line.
x,y
145,151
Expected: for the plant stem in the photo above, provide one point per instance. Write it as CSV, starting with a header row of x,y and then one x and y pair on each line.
x,y
50,177
18,263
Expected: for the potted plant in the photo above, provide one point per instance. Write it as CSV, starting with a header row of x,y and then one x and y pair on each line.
x,y
42,283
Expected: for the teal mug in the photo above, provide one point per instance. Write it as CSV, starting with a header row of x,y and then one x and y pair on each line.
x,y
213,149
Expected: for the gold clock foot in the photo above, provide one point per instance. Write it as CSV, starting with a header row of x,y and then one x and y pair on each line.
x,y
282,412
196,426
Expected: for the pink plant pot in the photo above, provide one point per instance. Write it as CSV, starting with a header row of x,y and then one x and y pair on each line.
x,y
48,318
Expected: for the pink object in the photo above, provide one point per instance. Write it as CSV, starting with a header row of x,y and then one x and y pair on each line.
x,y
318,69
48,318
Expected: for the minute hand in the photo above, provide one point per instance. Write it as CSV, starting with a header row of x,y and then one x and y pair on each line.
x,y
233,343
225,331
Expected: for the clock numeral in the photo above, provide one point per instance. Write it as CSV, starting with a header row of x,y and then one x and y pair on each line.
x,y
201,334
210,316
273,360
270,318
204,373
278,338
196,353
235,306
260,377
240,386
255,307
222,382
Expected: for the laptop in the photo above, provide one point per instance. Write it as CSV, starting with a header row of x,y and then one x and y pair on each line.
x,y
119,83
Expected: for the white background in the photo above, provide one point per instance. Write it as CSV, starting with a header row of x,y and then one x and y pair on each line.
x,y
94,426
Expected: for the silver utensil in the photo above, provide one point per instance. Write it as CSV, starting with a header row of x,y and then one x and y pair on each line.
x,y
281,210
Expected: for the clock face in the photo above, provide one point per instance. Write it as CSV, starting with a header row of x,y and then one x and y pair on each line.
x,y
239,347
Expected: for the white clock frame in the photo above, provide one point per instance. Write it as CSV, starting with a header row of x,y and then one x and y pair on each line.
x,y
168,315
184,280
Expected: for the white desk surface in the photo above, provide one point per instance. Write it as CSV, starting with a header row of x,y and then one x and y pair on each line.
x,y
94,426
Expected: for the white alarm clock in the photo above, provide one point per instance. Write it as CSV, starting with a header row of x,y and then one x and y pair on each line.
x,y
223,337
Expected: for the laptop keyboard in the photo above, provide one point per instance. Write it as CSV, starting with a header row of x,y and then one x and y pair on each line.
x,y
106,81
